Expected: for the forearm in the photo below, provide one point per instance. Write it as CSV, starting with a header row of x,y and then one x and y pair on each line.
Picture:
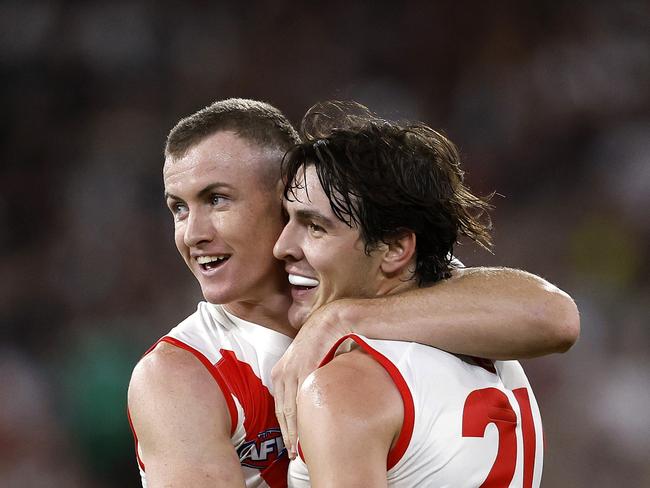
x,y
497,313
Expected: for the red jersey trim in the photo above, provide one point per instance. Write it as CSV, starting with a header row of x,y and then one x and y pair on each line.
x,y
530,441
232,409
135,439
128,415
397,452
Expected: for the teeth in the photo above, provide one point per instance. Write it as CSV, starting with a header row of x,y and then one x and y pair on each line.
x,y
302,281
210,259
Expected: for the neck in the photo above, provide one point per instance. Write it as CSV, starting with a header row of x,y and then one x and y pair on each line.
x,y
269,305
396,285
271,314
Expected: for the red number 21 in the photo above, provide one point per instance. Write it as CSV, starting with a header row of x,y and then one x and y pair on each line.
x,y
491,406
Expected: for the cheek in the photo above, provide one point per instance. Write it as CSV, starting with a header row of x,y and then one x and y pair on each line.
x,y
331,258
179,235
264,234
349,277
334,278
256,245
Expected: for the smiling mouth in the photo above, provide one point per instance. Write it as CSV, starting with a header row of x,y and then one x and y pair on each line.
x,y
208,263
302,282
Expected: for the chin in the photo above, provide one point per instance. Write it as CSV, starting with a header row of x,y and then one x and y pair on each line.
x,y
217,297
298,315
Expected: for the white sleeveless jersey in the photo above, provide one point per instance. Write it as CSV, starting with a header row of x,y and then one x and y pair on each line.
x,y
239,355
467,422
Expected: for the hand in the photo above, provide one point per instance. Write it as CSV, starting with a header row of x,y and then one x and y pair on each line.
x,y
312,342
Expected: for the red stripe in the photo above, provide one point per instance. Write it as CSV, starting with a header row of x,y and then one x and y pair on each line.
x,y
528,427
406,433
153,346
302,456
135,438
128,415
215,374
260,423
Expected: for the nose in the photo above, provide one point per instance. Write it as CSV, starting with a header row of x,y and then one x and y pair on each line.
x,y
286,247
198,228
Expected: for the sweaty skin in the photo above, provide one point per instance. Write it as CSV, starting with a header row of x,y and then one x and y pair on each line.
x,y
170,388
362,418
350,412
497,313
222,207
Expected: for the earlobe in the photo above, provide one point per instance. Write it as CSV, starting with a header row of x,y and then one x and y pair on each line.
x,y
399,253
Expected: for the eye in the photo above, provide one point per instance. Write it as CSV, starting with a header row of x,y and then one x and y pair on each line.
x,y
315,228
178,208
216,199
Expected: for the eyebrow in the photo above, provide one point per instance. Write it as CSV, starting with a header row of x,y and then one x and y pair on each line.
x,y
303,214
203,192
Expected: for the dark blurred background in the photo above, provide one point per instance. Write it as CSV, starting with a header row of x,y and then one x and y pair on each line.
x,y
548,101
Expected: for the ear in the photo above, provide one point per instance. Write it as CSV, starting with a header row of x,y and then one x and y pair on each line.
x,y
399,253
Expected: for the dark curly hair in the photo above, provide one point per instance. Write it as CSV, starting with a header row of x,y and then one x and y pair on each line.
x,y
386,177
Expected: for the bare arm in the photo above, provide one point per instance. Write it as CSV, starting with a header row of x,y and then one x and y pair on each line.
x,y
344,437
182,423
498,313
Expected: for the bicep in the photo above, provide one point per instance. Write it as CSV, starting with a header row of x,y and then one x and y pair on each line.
x,y
497,313
337,457
182,424
345,435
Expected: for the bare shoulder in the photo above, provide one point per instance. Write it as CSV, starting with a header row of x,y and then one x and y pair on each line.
x,y
170,387
181,421
168,370
351,387
350,414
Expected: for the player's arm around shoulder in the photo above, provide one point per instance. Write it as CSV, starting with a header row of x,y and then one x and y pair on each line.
x,y
349,415
182,422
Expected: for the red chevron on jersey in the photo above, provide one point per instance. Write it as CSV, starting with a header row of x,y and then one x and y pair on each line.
x,y
239,355
263,447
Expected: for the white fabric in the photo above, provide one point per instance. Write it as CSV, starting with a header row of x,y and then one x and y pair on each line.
x,y
438,455
211,330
